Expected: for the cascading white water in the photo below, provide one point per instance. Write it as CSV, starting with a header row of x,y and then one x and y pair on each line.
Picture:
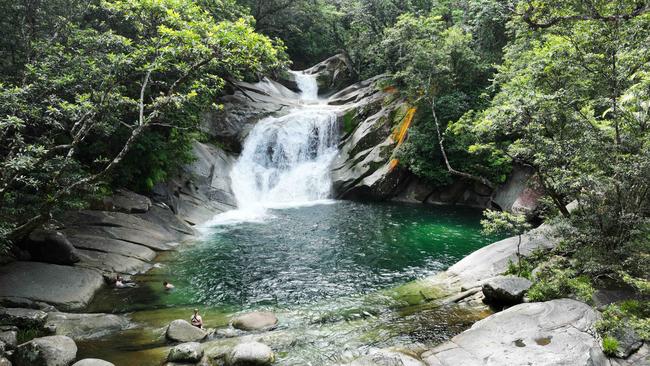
x,y
285,160
307,85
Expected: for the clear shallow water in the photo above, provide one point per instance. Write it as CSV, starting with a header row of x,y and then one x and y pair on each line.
x,y
330,272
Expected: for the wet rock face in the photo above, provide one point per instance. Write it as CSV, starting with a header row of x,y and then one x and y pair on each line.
x,y
186,352
505,290
182,331
250,354
46,351
255,321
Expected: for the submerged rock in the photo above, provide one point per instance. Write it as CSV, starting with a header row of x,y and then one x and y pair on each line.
x,y
23,318
558,332
182,331
186,352
505,289
250,354
259,320
46,351
84,326
387,358
92,362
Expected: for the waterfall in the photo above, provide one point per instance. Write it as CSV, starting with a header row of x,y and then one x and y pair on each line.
x,y
285,161
307,85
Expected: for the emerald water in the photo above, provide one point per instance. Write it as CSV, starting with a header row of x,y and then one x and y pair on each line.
x,y
333,273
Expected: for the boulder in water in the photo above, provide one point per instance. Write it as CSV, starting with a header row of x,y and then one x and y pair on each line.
x,y
259,320
186,352
505,289
23,318
92,362
46,351
250,354
182,331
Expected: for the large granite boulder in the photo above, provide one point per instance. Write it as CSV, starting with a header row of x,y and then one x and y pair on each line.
x,y
92,362
492,260
66,287
186,352
558,332
85,326
250,354
46,351
23,318
259,320
128,202
505,289
520,193
333,74
51,246
182,331
9,336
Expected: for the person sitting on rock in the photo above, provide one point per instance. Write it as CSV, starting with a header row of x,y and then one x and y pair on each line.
x,y
119,282
196,319
167,285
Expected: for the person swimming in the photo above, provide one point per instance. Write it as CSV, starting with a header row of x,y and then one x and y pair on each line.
x,y
196,319
167,285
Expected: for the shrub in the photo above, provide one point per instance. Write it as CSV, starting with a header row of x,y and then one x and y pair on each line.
x,y
555,283
610,345
627,314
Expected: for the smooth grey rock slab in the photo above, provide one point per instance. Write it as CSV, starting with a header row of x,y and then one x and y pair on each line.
x,y
66,287
23,318
558,332
85,326
249,354
46,351
115,246
506,289
128,202
259,320
110,262
182,331
186,352
492,260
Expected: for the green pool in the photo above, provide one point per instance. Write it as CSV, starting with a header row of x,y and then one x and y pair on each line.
x,y
325,270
